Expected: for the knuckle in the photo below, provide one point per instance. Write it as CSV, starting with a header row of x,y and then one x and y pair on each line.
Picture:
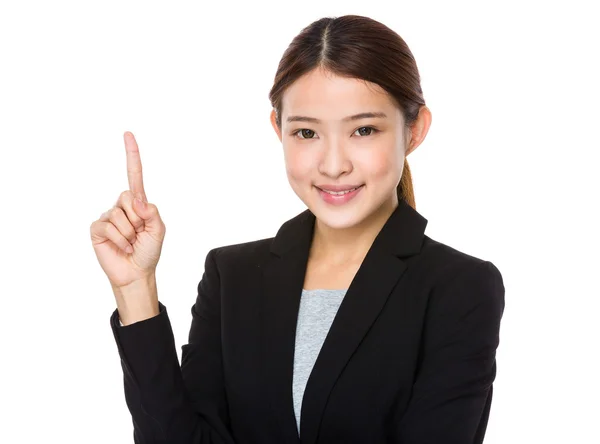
x,y
108,229
114,212
125,196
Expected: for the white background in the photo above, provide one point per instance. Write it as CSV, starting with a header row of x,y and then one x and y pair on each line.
x,y
508,173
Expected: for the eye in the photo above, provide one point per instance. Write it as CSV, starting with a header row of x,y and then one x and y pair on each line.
x,y
369,130
305,132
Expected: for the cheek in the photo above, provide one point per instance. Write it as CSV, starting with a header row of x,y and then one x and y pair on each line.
x,y
382,163
299,165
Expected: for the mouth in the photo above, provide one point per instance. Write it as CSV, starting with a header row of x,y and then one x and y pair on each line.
x,y
337,198
340,193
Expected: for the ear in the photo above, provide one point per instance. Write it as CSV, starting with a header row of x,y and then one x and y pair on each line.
x,y
419,129
274,124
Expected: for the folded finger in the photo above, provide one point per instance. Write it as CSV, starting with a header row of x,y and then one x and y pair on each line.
x,y
126,203
118,218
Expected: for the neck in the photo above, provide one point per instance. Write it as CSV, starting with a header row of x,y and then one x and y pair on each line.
x,y
349,245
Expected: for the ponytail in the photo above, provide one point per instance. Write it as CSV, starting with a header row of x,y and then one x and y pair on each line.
x,y
405,189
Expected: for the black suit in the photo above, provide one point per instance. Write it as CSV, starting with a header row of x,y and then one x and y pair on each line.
x,y
409,358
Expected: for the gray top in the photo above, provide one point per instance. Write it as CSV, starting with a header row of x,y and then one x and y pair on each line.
x,y
317,310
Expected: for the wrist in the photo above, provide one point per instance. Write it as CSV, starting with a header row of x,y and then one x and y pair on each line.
x,y
138,300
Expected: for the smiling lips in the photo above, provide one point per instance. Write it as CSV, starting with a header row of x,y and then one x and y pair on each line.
x,y
338,188
339,197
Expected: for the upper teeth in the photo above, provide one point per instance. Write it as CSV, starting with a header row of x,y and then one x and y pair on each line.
x,y
340,192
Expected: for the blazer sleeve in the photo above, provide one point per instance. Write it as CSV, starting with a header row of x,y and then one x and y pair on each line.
x,y
452,393
170,403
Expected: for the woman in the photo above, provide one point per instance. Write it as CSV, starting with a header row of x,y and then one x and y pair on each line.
x,y
350,325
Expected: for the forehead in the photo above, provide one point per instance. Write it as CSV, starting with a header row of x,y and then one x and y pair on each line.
x,y
322,94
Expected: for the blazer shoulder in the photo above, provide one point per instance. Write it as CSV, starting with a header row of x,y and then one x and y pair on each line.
x,y
445,262
459,283
252,252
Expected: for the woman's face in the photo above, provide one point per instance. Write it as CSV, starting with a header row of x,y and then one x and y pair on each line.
x,y
325,146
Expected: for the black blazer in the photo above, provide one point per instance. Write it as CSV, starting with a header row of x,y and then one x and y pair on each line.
x,y
409,358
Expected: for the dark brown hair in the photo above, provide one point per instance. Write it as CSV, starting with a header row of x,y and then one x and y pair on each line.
x,y
357,47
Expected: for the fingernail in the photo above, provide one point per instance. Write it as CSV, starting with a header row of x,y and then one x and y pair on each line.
x,y
141,203
129,249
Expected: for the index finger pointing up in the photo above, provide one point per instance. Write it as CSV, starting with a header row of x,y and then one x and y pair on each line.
x,y
134,166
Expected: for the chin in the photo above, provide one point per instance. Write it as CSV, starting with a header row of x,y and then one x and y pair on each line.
x,y
339,221
338,217
348,215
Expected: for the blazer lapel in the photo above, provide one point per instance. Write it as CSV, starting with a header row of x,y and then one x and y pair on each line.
x,y
283,279
401,236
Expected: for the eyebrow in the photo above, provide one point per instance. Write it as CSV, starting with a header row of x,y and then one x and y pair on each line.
x,y
345,119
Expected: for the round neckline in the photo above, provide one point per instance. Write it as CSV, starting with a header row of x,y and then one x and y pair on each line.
x,y
326,289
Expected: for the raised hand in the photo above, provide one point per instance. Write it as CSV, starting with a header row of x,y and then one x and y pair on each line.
x,y
128,238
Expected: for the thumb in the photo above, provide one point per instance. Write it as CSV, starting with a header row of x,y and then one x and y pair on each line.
x,y
149,213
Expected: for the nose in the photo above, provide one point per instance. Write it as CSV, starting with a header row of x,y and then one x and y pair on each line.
x,y
334,160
